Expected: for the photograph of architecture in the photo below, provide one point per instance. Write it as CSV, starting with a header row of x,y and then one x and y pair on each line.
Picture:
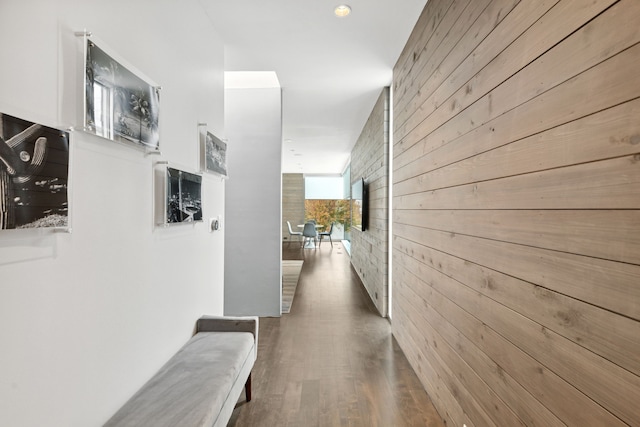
x,y
184,196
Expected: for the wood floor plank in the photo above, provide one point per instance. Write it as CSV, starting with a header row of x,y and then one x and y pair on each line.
x,y
332,361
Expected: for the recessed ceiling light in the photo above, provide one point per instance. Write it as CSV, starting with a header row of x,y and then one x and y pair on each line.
x,y
342,10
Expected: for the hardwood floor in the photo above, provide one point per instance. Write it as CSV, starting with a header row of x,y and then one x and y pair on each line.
x,y
332,360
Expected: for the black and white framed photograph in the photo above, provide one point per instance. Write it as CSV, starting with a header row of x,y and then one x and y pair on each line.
x,y
34,175
184,196
120,105
215,152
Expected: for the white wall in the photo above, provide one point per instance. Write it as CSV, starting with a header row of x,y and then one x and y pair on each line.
x,y
87,317
253,122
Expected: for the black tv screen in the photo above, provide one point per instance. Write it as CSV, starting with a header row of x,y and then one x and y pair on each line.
x,y
359,205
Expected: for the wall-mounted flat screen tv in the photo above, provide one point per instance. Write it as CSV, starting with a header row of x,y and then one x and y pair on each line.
x,y
184,196
360,205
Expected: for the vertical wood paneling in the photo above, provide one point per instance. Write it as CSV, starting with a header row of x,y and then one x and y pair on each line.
x,y
370,160
516,210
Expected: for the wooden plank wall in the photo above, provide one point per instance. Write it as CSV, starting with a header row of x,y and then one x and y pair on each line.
x,y
292,203
516,210
370,249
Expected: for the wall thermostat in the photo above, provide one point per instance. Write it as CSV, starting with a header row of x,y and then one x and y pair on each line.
x,y
214,224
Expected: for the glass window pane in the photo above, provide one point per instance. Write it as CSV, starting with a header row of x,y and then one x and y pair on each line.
x,y
324,187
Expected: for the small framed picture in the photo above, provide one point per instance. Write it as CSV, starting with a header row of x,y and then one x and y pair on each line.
x,y
34,175
183,199
215,155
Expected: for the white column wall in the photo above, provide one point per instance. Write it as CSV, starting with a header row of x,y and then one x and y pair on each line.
x,y
87,317
253,124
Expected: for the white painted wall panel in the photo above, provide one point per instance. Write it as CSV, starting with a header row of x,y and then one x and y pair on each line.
x,y
86,318
253,122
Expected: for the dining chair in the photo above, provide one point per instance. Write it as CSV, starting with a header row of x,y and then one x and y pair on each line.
x,y
293,233
309,232
326,234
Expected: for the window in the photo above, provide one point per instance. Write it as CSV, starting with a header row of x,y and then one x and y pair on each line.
x,y
103,110
325,203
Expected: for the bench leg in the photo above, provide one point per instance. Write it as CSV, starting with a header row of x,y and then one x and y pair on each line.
x,y
247,388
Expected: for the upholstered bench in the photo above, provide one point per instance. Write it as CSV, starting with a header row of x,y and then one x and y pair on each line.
x,y
201,383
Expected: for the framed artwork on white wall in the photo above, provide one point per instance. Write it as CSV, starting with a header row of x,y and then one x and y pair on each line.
x,y
34,175
183,197
120,103
215,155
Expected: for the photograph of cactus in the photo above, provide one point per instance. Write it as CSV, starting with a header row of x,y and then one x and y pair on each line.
x,y
215,155
34,173
120,105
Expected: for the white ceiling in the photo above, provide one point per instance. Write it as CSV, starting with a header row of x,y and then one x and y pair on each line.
x,y
331,69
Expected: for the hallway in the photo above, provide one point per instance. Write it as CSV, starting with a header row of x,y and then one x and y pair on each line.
x,y
332,360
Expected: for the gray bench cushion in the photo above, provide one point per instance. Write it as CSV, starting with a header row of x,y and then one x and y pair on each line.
x,y
193,386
